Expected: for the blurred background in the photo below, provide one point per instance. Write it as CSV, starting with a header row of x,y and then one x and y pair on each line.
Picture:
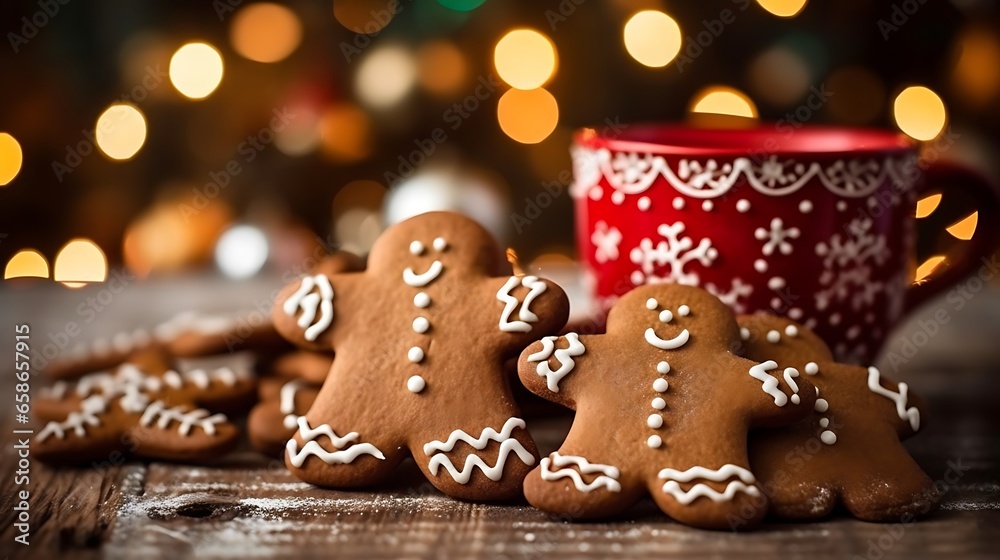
x,y
168,137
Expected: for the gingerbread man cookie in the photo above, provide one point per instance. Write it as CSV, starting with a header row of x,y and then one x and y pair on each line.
x,y
420,339
662,406
274,420
848,450
149,411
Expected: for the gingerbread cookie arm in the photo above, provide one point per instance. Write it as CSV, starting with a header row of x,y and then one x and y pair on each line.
x,y
526,307
777,395
909,411
550,367
306,311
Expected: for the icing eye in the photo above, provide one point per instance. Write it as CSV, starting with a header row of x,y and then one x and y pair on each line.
x,y
416,248
791,330
440,244
683,311
651,303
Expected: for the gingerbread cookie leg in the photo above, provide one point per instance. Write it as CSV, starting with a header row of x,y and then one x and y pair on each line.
x,y
884,491
582,481
329,454
484,463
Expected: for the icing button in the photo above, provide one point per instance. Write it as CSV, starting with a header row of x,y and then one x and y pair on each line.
x,y
415,354
416,384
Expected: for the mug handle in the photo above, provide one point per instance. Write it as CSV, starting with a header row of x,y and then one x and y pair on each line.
x,y
984,240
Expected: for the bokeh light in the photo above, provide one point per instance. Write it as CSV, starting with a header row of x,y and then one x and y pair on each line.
x,y
10,158
442,68
783,8
652,38
461,5
364,16
357,229
301,135
345,133
479,194
525,59
926,206
121,131
80,261
386,76
242,251
779,75
965,228
172,234
919,113
362,193
977,73
858,95
723,100
265,32
927,267
528,116
27,263
196,70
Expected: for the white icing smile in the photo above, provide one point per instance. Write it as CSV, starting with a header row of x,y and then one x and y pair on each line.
x,y
418,280
669,344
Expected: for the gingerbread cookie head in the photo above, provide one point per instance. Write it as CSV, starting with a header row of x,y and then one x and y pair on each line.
x,y
420,339
848,450
663,407
151,413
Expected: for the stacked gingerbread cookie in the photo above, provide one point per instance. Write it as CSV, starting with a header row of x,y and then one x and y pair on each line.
x,y
722,420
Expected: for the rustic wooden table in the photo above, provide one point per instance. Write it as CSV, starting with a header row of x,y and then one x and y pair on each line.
x,y
248,505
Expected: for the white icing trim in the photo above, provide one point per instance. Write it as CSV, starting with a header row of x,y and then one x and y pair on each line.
x,y
287,403
187,321
563,355
473,461
525,315
197,418
487,435
674,477
912,414
769,383
672,344
703,490
426,277
76,421
632,173
309,302
342,456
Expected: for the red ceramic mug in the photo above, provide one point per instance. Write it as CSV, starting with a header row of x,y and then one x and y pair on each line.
x,y
817,224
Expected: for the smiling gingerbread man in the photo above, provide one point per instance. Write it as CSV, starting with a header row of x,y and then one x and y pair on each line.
x,y
420,338
662,407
